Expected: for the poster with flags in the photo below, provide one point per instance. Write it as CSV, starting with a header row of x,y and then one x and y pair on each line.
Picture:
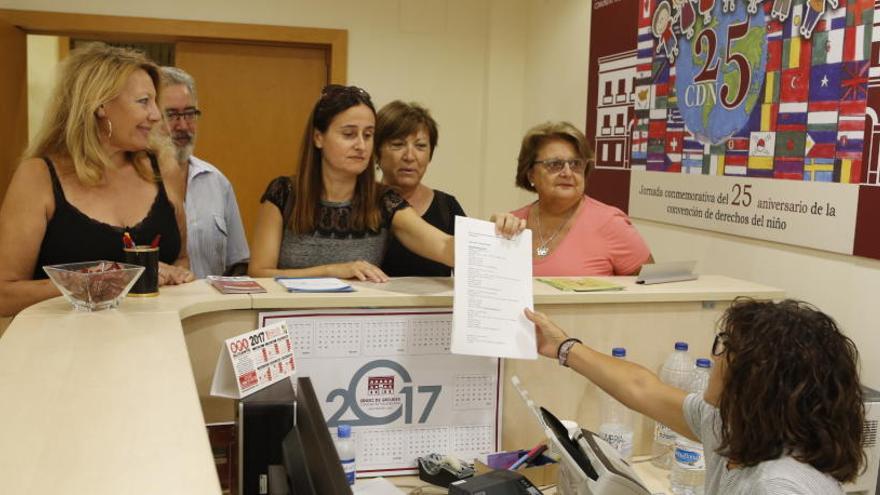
x,y
752,117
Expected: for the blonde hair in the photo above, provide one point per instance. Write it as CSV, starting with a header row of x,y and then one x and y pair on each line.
x,y
90,77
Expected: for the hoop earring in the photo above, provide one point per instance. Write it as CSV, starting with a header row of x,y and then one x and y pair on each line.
x,y
109,129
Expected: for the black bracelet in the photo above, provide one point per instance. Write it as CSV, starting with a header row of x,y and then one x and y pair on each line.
x,y
564,348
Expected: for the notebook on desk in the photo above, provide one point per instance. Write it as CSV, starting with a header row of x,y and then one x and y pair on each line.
x,y
669,271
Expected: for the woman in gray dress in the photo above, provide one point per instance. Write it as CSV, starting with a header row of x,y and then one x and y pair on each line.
x,y
333,219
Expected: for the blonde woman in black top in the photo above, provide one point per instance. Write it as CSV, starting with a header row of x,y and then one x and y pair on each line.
x,y
89,177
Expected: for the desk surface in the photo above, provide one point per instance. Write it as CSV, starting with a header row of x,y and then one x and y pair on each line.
x,y
655,479
106,402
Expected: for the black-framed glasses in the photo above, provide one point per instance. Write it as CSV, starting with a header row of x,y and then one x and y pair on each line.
x,y
555,165
719,345
189,115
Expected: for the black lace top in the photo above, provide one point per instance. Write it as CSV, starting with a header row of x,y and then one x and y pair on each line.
x,y
73,236
401,262
334,240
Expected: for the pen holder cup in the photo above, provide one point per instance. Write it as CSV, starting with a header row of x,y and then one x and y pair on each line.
x,y
544,471
148,257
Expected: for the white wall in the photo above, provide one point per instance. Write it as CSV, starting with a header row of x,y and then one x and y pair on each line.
x,y
42,51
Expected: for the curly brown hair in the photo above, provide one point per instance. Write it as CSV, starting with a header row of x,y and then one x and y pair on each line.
x,y
791,387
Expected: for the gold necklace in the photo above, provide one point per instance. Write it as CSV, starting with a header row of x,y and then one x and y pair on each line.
x,y
543,250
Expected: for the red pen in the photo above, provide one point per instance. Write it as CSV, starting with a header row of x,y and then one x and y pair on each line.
x,y
529,456
155,242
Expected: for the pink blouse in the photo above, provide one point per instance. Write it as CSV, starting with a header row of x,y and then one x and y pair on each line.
x,y
601,241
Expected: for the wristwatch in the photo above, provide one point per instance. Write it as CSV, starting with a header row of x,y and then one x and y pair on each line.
x,y
565,348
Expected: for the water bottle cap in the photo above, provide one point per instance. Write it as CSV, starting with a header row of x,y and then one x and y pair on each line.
x,y
618,352
343,431
681,346
704,363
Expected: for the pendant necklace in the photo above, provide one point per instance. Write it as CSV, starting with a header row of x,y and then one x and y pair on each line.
x,y
543,249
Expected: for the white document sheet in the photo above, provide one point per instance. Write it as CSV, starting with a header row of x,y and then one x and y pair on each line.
x,y
376,486
493,283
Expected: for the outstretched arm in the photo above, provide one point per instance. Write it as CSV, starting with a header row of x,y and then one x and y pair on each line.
x,y
268,234
423,238
430,242
633,385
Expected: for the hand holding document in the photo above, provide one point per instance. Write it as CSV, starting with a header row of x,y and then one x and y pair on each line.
x,y
493,283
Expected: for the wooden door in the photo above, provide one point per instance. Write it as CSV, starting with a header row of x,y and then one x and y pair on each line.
x,y
255,100
13,100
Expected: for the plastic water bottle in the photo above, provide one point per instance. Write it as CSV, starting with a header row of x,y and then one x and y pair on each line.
x,y
345,448
689,471
676,371
616,420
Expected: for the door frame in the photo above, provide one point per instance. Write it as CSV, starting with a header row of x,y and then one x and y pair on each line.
x,y
333,41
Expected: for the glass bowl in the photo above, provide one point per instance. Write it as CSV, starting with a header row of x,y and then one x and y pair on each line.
x,y
94,285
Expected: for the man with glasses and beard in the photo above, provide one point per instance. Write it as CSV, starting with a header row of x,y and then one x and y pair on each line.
x,y
215,235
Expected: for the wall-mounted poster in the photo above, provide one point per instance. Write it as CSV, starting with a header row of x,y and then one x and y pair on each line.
x,y
751,117
390,375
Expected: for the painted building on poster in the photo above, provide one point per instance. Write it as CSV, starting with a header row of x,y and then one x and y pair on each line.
x,y
615,110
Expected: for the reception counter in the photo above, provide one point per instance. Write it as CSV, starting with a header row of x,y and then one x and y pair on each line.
x,y
116,401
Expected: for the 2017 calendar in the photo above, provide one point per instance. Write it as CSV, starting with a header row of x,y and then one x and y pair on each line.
x,y
389,374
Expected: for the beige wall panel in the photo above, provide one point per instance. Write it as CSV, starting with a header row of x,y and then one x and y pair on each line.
x,y
256,100
204,336
42,67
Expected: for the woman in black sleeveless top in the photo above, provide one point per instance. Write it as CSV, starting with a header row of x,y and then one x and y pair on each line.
x,y
89,177
405,140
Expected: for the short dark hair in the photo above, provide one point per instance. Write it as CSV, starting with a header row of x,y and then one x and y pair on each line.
x,y
399,119
791,388
540,134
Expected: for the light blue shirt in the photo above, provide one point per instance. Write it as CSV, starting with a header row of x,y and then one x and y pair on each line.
x,y
215,237
782,476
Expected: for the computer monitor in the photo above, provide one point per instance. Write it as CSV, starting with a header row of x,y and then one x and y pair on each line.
x,y
309,450
285,446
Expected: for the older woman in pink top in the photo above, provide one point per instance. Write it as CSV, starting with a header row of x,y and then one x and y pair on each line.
x,y
573,234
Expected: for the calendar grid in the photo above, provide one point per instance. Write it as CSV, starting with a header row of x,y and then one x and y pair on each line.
x,y
390,374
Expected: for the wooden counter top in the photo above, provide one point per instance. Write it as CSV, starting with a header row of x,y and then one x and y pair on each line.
x,y
106,402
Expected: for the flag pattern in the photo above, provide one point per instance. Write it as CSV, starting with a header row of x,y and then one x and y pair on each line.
x,y
809,119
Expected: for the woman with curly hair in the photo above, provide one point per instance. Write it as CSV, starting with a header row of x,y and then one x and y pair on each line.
x,y
783,412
